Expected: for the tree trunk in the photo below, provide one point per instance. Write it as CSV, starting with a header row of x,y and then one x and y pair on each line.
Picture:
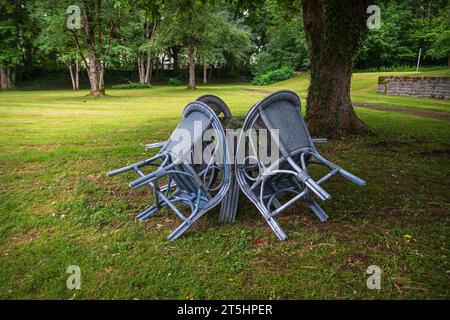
x,y
191,59
334,31
163,59
2,78
157,66
95,74
205,74
175,53
102,75
77,75
72,76
93,28
210,72
148,70
140,70
7,77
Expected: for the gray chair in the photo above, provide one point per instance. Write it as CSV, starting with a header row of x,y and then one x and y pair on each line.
x,y
178,177
219,107
266,185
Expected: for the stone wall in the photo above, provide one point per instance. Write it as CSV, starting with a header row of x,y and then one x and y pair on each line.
x,y
425,87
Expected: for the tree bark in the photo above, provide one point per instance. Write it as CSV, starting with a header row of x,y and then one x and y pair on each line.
x,y
2,78
163,59
205,74
77,75
175,53
210,72
72,76
140,70
148,70
7,77
94,74
191,60
93,27
334,31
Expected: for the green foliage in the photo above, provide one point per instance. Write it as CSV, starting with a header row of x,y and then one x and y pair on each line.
x,y
286,47
401,68
175,82
14,33
391,44
217,38
437,33
407,26
131,85
273,76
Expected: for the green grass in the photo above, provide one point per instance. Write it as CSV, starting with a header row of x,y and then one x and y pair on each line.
x,y
57,207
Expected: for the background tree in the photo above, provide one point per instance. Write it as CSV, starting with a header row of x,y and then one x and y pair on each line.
x,y
207,34
334,32
406,27
13,35
286,47
100,21
431,30
54,37
392,44
223,39
440,37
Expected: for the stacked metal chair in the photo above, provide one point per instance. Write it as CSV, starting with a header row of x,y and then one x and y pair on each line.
x,y
178,178
202,185
267,184
218,106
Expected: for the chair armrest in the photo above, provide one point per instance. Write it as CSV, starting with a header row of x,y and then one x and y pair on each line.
x,y
155,145
319,140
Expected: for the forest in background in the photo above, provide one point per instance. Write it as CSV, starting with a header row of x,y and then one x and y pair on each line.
x,y
147,41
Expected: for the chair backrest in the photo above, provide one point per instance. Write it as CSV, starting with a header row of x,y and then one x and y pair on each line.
x,y
218,106
281,111
196,119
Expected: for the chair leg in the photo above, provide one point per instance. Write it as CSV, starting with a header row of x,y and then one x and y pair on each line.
x,y
276,228
318,211
150,211
178,232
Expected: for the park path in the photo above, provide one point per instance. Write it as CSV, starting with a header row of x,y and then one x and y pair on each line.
x,y
439,115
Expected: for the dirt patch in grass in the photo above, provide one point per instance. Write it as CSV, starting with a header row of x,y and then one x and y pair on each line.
x,y
414,112
437,153
27,237
388,145
258,90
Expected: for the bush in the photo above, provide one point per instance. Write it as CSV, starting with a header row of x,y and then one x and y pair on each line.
x,y
273,76
131,85
175,82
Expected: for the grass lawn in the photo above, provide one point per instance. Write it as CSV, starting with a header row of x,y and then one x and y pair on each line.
x,y
58,208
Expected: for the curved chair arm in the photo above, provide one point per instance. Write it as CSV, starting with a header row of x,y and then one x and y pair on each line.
x,y
319,140
155,145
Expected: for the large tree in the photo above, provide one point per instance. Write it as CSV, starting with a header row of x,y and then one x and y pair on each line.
x,y
221,39
99,23
13,35
55,39
334,31
205,33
